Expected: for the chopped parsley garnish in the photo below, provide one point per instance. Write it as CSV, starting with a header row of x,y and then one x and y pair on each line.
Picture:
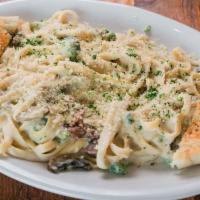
x,y
108,35
71,48
158,73
73,51
107,96
94,57
151,93
119,97
129,118
33,52
117,75
148,29
104,94
142,70
38,53
73,55
83,62
131,52
140,127
32,42
133,68
134,106
118,169
173,81
19,41
111,36
167,114
156,114
92,106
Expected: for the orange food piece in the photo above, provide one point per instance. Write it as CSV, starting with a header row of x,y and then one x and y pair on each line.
x,y
188,152
128,2
4,40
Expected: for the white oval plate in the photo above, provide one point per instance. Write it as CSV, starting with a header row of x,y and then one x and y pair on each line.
x,y
142,183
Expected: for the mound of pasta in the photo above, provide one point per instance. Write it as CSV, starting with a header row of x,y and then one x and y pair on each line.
x,y
80,97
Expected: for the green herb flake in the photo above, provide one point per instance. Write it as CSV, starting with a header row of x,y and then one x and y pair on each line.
x,y
129,118
117,75
73,51
107,96
118,169
92,106
183,75
151,93
104,94
33,52
83,62
38,53
167,114
158,73
73,55
32,42
131,52
140,127
111,36
142,70
108,35
173,81
94,57
119,97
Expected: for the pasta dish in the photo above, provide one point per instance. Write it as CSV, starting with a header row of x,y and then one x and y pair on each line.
x,y
76,96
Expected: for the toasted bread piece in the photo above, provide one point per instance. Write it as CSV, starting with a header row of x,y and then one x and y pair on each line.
x,y
4,40
188,153
11,24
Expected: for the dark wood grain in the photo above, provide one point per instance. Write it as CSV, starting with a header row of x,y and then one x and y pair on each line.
x,y
185,11
14,190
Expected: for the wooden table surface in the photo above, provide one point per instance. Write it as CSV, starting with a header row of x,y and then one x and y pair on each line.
x,y
185,11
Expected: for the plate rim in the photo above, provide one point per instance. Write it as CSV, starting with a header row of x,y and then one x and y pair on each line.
x,y
170,193
179,190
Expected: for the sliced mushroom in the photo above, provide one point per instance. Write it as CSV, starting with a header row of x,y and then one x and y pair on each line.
x,y
90,149
69,162
79,129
